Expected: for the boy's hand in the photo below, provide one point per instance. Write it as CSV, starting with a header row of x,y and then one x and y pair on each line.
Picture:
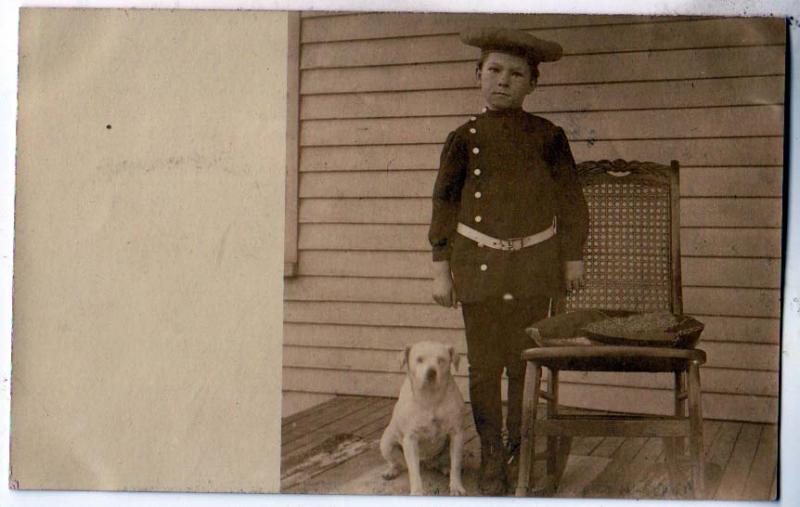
x,y
442,288
573,275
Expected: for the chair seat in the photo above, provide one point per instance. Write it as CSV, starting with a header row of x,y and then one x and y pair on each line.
x,y
615,358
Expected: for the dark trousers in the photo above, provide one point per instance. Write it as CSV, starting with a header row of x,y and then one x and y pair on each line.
x,y
496,337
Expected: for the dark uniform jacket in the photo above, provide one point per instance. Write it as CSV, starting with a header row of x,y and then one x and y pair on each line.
x,y
507,174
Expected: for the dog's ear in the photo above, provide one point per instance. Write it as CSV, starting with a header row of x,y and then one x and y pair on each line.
x,y
455,357
404,361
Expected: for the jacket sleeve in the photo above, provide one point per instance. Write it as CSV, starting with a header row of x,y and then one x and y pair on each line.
x,y
447,196
572,214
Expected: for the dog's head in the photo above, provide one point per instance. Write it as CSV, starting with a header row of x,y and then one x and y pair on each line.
x,y
428,363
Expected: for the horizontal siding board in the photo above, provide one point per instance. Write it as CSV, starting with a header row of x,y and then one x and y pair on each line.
x,y
731,272
715,380
696,212
372,314
751,121
431,316
697,271
762,357
741,329
595,39
731,242
366,264
696,300
722,212
584,97
699,181
410,24
738,302
699,242
363,237
689,152
715,406
732,181
368,337
617,67
368,184
376,211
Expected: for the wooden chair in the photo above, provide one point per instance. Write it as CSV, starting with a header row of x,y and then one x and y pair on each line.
x,y
632,262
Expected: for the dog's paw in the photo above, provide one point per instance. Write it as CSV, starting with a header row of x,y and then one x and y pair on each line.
x,y
417,492
390,473
457,490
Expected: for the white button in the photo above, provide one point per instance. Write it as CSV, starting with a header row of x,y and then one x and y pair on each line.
x,y
473,118
477,195
478,218
476,150
484,109
508,296
477,172
472,131
484,267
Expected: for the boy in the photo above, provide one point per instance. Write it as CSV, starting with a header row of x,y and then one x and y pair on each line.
x,y
508,227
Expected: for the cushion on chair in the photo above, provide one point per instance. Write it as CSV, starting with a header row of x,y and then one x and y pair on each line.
x,y
570,324
617,327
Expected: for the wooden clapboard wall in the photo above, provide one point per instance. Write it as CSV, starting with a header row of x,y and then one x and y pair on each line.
x,y
380,92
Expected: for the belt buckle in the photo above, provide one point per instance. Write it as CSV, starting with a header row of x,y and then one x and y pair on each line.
x,y
509,245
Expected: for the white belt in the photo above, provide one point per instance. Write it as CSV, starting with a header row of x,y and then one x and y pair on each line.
x,y
506,244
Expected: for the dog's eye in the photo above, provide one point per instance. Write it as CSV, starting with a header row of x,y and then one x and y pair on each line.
x,y
419,359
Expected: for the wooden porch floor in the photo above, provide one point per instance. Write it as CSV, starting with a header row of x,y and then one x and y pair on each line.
x,y
333,448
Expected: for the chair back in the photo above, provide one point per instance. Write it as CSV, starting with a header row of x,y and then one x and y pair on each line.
x,y
632,255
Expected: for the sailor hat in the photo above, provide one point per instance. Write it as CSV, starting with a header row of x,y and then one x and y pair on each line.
x,y
512,41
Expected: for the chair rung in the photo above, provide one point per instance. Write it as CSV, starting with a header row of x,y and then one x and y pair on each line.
x,y
586,427
546,395
682,395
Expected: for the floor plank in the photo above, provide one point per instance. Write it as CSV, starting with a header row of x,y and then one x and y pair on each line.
x,y
710,431
607,484
296,417
636,470
608,447
655,481
347,425
585,445
764,468
324,416
735,474
719,454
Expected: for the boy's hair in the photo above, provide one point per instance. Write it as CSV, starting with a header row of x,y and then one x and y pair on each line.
x,y
532,64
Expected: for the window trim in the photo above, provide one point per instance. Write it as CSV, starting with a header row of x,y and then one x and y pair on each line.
x,y
292,146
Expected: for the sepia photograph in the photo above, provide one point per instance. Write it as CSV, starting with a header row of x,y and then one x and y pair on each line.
x,y
533,255
390,254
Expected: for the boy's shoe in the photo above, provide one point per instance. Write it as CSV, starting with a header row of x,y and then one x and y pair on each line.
x,y
492,480
512,464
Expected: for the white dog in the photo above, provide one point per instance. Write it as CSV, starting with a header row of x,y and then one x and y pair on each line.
x,y
428,414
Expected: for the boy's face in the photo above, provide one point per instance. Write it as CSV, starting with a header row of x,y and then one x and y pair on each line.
x,y
505,80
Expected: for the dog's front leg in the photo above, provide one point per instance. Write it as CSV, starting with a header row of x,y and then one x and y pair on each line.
x,y
411,453
456,454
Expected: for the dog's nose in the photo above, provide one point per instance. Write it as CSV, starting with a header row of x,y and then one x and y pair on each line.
x,y
430,374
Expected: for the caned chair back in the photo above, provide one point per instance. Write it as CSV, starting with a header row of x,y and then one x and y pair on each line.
x,y
632,255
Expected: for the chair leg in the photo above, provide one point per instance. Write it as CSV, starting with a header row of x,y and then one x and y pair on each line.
x,y
680,405
673,447
557,447
696,430
530,400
